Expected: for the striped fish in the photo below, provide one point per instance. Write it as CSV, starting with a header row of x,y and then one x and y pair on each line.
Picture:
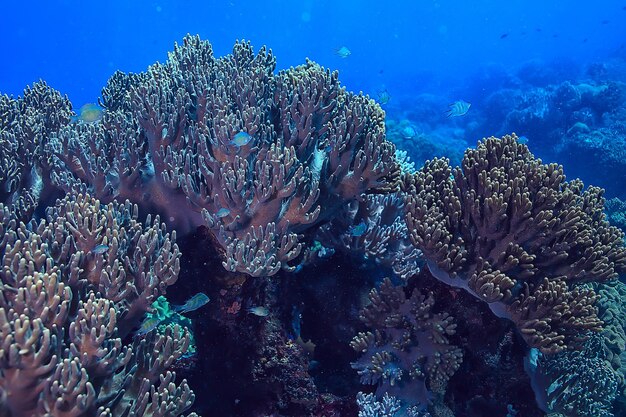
x,y
193,303
458,108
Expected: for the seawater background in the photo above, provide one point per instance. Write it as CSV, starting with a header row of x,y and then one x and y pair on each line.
x,y
509,59
408,46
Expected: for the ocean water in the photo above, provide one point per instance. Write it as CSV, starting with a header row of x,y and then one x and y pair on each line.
x,y
276,299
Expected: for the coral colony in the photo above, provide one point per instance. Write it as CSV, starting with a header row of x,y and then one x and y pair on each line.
x,y
492,286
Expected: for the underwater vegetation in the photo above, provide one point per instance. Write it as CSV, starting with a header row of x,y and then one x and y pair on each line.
x,y
316,271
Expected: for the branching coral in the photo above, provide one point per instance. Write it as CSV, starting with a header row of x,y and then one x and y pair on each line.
x,y
306,148
384,239
67,307
511,231
388,406
25,124
407,353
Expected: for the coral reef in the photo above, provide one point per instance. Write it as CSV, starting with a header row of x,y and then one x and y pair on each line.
x,y
25,125
616,213
305,148
572,122
407,352
167,317
583,384
612,312
388,406
67,310
290,178
383,238
510,230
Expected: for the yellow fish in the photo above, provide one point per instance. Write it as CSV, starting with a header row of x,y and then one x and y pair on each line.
x,y
89,113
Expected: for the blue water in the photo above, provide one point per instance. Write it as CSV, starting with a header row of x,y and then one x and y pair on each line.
x,y
406,46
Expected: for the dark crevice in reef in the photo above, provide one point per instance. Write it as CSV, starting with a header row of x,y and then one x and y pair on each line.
x,y
238,370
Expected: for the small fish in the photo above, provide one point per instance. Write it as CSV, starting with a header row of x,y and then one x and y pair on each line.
x,y
359,229
296,322
100,249
504,35
89,113
458,108
523,140
343,52
409,132
148,325
259,311
223,212
384,96
241,139
193,303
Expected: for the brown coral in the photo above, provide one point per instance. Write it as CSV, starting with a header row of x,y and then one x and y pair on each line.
x,y
66,308
313,148
514,233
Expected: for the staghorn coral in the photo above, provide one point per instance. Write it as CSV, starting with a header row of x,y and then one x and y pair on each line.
x,y
66,311
407,352
313,148
511,231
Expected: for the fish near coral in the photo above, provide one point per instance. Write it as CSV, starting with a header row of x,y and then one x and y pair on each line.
x,y
458,108
193,303
523,140
259,311
223,212
383,96
148,325
241,139
100,249
89,113
359,229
